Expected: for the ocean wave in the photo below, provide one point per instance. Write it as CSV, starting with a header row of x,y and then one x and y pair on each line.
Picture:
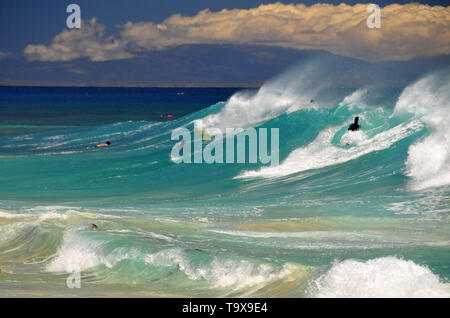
x,y
85,253
305,86
428,162
322,153
233,274
385,277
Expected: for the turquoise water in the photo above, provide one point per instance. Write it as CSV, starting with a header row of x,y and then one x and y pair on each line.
x,y
344,214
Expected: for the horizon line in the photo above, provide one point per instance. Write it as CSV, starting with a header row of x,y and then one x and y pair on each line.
x,y
130,85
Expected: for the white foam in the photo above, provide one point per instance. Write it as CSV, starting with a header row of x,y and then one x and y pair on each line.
x,y
353,138
243,110
289,92
326,240
357,98
52,215
52,145
428,160
49,208
11,231
385,277
84,253
342,235
321,153
63,212
235,274
9,215
433,205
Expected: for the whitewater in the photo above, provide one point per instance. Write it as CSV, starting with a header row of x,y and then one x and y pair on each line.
x,y
344,214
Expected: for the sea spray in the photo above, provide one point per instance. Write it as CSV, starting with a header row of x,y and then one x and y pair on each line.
x,y
428,160
383,277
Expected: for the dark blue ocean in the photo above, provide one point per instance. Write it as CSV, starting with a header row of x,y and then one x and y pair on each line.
x,y
90,106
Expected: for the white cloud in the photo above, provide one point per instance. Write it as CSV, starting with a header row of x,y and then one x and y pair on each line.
x,y
87,42
407,31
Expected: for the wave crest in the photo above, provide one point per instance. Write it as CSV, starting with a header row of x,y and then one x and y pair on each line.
x,y
428,160
385,277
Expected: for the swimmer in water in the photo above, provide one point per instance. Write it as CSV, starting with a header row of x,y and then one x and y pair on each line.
x,y
105,144
94,227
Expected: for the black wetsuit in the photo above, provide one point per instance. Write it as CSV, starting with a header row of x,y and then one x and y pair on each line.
x,y
354,127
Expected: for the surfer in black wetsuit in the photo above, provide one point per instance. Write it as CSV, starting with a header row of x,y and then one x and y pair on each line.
x,y
355,126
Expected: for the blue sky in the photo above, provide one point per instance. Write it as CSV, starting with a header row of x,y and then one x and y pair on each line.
x,y
179,41
25,22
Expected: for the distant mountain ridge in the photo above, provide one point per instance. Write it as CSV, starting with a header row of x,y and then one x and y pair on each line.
x,y
201,66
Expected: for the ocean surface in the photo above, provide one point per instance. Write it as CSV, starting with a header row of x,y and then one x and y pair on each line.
x,y
362,214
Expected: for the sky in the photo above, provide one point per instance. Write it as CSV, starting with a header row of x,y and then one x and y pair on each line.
x,y
36,32
24,22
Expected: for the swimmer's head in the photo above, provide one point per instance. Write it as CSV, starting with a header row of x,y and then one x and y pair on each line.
x,y
356,120
108,143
